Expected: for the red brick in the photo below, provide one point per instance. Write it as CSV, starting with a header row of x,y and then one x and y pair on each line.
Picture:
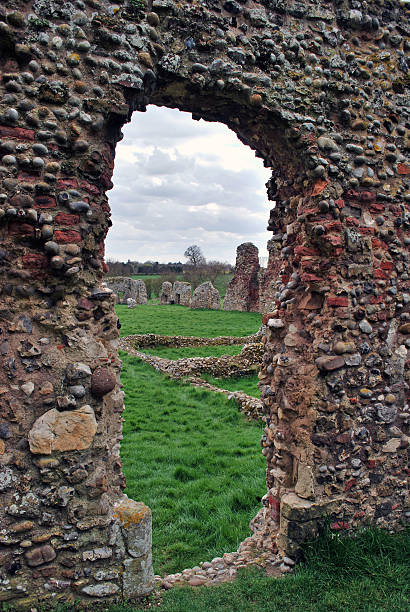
x,y
66,219
350,483
403,169
340,203
67,184
90,188
377,208
21,229
67,236
17,133
304,250
310,278
333,226
379,274
34,261
386,265
45,202
27,178
319,186
334,239
337,300
366,230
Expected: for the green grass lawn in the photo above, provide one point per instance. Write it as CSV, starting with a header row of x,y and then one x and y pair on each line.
x,y
176,320
193,351
203,489
247,384
144,276
367,573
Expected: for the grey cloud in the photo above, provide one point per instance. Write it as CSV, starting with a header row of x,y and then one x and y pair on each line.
x,y
152,221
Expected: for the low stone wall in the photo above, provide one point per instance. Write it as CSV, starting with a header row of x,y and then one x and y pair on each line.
x,y
127,289
147,340
246,362
206,296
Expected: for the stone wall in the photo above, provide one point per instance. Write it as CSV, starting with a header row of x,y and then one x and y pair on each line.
x,y
127,288
178,293
166,291
206,296
317,89
243,290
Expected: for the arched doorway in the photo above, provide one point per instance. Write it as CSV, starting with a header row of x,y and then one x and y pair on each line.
x,y
292,82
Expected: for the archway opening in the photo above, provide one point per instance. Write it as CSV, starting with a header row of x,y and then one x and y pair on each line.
x,y
184,189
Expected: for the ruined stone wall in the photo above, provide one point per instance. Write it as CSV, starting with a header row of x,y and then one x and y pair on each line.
x,y
166,291
182,293
127,289
243,290
318,90
177,293
206,296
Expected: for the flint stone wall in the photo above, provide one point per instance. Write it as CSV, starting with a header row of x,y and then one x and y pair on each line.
x,y
243,290
127,288
318,90
206,296
177,293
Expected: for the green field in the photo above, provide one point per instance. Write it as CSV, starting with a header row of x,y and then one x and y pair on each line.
x,y
203,489
193,351
144,276
182,321
247,384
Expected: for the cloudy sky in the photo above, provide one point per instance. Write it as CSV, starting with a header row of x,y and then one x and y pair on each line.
x,y
179,182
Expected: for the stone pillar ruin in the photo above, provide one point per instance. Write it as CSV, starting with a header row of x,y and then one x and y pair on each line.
x,y
243,290
317,89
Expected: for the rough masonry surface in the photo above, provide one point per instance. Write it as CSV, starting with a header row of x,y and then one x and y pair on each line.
x,y
127,289
318,90
243,292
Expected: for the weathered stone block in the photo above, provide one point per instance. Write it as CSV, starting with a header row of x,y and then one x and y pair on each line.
x,y
294,508
138,577
135,519
63,431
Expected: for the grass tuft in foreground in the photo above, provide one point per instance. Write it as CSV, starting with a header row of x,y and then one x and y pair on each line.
x,y
366,573
195,460
182,321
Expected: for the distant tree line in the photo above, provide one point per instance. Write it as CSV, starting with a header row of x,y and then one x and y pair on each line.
x,y
197,270
130,268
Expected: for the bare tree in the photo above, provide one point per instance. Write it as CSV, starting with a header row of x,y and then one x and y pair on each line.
x,y
195,256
